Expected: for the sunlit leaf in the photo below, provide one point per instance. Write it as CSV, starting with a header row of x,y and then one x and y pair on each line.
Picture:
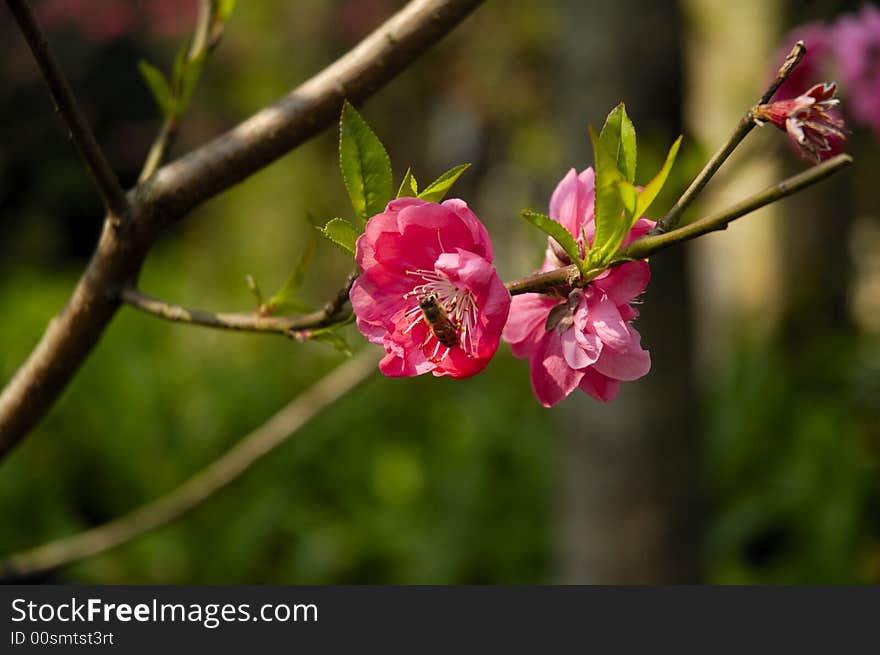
x,y
365,166
610,222
341,233
618,136
408,186
283,300
437,190
652,188
558,233
223,9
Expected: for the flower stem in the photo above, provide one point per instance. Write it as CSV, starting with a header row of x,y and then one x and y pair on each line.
x,y
673,217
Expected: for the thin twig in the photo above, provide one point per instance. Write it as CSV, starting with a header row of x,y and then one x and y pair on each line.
x,y
650,244
202,42
204,484
178,187
67,106
672,218
242,322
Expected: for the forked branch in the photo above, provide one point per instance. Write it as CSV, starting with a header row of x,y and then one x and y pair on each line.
x,y
181,185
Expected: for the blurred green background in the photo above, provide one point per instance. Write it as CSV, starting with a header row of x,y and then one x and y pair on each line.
x,y
748,455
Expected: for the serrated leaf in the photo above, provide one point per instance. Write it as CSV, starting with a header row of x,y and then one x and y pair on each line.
x,y
159,88
408,186
618,136
558,233
652,188
609,203
341,233
283,299
437,190
365,166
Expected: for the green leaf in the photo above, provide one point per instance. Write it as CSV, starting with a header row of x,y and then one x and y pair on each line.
x,y
365,166
408,186
178,69
330,335
342,233
190,77
335,340
283,299
223,9
159,87
254,288
437,190
558,233
618,136
652,188
611,225
288,306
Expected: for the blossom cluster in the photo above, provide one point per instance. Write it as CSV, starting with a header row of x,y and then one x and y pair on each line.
x,y
429,294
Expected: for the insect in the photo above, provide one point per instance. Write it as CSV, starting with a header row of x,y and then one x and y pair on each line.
x,y
436,317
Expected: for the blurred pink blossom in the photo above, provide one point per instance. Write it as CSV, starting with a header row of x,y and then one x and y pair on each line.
x,y
111,19
856,46
814,66
417,250
584,340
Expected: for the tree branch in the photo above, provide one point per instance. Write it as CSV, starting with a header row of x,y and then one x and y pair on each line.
x,y
202,485
651,244
274,131
65,103
178,187
242,322
671,220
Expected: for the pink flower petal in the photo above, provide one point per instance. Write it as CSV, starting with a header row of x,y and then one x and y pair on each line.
x,y
626,364
599,386
576,356
626,282
599,315
552,378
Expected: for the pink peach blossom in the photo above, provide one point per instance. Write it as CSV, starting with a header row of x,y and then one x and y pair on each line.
x,y
813,130
416,249
583,339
